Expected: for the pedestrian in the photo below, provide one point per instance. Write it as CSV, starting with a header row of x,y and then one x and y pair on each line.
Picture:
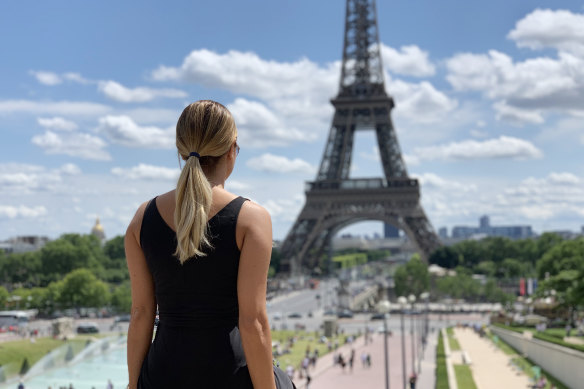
x,y
568,329
308,379
413,379
20,385
368,360
342,362
202,255
364,359
352,359
110,385
290,371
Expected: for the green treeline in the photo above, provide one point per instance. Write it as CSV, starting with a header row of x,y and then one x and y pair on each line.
x,y
557,264
73,271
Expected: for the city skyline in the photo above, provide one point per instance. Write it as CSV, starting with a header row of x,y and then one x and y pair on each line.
x,y
489,102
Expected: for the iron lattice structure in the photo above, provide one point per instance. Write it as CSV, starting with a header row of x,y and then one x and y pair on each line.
x,y
333,200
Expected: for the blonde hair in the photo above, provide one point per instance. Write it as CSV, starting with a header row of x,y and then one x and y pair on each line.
x,y
205,127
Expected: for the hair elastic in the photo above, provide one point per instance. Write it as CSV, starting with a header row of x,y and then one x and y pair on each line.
x,y
194,154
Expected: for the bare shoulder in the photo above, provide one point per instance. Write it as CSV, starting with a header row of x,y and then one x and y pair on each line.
x,y
136,222
252,213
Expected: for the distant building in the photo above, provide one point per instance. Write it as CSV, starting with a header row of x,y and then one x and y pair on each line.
x,y
485,229
22,244
98,231
390,231
443,233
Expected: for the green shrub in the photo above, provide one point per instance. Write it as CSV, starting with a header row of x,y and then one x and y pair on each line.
x,y
441,373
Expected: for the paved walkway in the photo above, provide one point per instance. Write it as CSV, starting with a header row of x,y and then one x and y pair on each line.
x,y
327,376
490,366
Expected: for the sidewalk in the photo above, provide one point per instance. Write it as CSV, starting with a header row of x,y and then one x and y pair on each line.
x,y
327,376
490,366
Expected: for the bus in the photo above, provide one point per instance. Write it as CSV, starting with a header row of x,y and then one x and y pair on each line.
x,y
14,320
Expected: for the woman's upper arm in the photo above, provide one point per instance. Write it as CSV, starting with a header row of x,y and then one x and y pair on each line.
x,y
140,277
254,261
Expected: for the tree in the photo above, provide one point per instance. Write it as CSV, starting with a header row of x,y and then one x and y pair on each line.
x,y
3,297
114,248
81,288
567,255
121,299
275,259
444,256
412,278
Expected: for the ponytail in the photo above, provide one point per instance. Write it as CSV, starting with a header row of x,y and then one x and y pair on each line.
x,y
193,202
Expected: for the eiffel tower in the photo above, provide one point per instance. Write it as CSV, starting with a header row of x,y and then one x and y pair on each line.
x,y
333,201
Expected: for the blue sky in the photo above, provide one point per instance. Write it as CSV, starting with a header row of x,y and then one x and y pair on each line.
x,y
489,105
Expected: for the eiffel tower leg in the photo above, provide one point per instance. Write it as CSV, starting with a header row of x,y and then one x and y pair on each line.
x,y
423,234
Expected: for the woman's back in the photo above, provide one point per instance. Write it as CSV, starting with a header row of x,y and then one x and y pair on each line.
x,y
197,343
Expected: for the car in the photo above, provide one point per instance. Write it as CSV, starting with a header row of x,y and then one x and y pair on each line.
x,y
345,313
377,316
329,312
294,315
277,316
87,328
299,326
122,318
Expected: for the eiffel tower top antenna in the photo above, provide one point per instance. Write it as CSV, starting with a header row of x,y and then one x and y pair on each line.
x,y
362,69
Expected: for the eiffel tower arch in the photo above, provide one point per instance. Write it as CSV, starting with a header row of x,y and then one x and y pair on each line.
x,y
333,200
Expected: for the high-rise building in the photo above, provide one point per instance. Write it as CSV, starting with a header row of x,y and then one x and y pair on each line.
x,y
485,229
484,222
443,233
390,231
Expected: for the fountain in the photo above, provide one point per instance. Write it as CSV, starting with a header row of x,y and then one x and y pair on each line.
x,y
99,361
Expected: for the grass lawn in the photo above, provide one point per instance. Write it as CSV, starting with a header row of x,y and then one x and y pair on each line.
x,y
464,377
441,373
303,340
454,345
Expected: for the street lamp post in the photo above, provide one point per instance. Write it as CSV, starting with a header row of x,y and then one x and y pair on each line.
x,y
383,307
412,300
403,302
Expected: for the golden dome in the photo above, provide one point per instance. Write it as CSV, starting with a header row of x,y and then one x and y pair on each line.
x,y
98,230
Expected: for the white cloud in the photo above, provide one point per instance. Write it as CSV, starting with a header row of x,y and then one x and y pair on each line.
x,y
278,164
558,29
76,77
247,73
517,115
70,108
555,196
147,172
46,78
118,92
258,126
431,180
420,102
522,90
17,212
70,169
408,60
502,147
123,130
57,123
80,145
478,133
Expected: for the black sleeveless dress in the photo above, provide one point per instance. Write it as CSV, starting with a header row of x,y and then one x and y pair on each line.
x,y
197,343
